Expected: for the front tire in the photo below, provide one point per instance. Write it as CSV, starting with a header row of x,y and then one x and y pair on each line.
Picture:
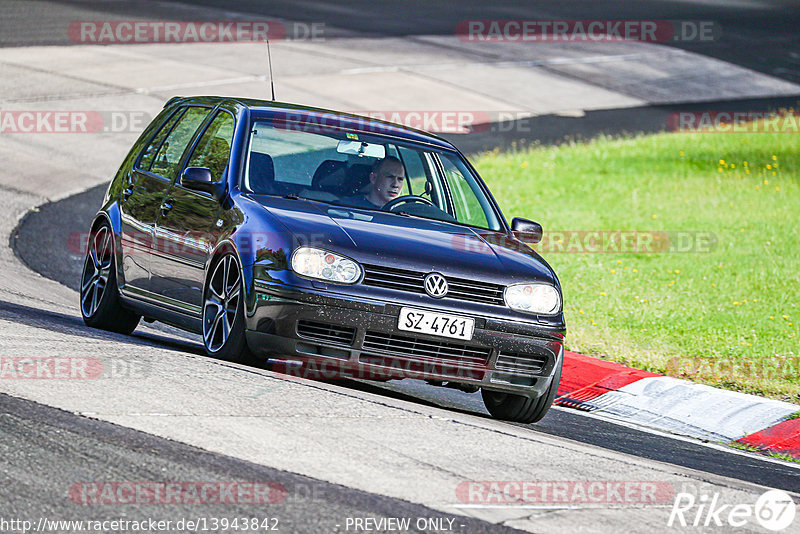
x,y
101,305
520,408
223,312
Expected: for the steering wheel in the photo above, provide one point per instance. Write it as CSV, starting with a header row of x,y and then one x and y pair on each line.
x,y
405,199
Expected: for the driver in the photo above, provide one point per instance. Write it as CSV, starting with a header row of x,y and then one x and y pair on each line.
x,y
387,179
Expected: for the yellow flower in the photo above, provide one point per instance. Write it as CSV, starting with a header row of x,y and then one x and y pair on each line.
x,y
636,270
613,271
785,316
769,167
603,293
681,153
524,164
722,162
774,157
677,271
733,165
655,216
619,261
766,182
580,311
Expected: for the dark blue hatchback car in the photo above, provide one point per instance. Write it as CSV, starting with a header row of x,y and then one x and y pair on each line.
x,y
345,245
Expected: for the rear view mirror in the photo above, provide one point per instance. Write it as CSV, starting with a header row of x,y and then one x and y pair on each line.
x,y
526,231
361,149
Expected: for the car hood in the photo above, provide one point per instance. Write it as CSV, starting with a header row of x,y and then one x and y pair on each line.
x,y
380,238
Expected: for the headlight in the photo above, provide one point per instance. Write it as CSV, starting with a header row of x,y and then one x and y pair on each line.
x,y
324,265
533,298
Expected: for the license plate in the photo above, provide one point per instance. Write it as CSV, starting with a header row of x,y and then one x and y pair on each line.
x,y
436,324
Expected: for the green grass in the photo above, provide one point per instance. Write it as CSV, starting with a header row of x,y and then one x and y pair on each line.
x,y
760,450
728,317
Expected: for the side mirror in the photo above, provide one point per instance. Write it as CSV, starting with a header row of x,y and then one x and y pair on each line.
x,y
200,179
526,231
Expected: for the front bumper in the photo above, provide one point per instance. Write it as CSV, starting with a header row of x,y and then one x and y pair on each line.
x,y
358,337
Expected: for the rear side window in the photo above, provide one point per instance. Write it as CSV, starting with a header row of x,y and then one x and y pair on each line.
x,y
146,159
214,148
168,158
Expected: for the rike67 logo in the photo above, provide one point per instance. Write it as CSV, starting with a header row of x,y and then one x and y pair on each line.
x,y
774,510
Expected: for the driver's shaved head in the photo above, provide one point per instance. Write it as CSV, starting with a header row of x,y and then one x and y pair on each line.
x,y
387,179
388,160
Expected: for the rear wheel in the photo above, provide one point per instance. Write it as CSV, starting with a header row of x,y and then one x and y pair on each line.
x,y
520,408
223,312
100,301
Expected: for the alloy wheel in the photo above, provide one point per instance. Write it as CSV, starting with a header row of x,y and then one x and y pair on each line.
x,y
96,271
221,303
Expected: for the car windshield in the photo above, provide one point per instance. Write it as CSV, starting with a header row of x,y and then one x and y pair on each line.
x,y
363,171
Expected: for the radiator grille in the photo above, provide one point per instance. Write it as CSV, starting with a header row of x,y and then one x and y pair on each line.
x,y
413,282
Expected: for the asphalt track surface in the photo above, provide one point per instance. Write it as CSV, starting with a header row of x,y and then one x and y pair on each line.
x,y
96,450
40,243
759,35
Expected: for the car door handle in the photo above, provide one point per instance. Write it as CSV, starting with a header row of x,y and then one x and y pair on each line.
x,y
166,206
128,191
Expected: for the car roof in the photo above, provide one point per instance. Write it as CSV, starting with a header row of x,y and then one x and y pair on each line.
x,y
322,116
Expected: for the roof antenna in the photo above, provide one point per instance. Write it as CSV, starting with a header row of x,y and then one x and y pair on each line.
x,y
271,82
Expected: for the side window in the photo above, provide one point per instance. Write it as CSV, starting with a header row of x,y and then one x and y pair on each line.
x,y
468,208
415,169
168,157
149,153
214,148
